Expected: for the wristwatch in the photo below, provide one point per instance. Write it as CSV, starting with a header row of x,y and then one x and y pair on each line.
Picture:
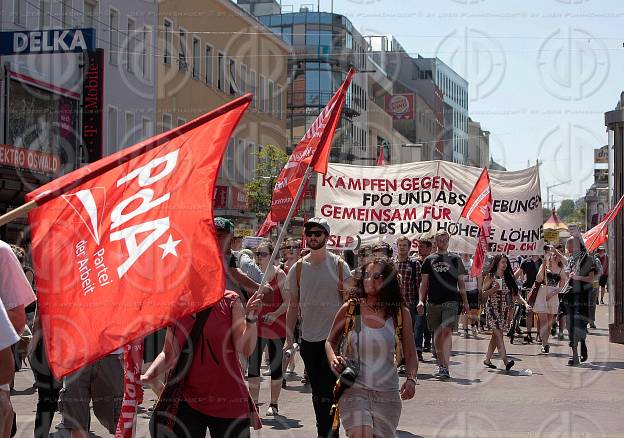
x,y
251,320
413,379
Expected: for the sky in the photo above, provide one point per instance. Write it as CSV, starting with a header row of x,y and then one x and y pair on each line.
x,y
541,73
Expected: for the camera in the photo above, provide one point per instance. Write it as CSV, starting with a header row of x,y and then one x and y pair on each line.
x,y
349,374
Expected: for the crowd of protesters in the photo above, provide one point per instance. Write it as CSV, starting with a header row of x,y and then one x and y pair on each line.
x,y
360,322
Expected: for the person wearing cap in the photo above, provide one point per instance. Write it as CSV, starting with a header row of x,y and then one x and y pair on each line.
x,y
442,278
314,286
241,275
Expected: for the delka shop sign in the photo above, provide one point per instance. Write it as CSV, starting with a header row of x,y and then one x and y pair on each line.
x,y
47,41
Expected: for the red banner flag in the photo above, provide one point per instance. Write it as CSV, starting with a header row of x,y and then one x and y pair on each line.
x,y
312,150
478,209
133,390
126,245
267,226
598,235
380,158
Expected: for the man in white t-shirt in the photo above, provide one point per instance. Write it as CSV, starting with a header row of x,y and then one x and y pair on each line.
x,y
15,295
8,337
15,290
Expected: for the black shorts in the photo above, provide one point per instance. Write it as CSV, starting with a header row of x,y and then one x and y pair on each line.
x,y
473,298
275,347
603,280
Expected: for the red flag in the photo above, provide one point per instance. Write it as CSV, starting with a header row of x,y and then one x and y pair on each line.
x,y
127,244
478,209
312,150
133,390
598,235
380,158
267,226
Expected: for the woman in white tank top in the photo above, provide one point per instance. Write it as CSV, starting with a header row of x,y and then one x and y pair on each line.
x,y
373,403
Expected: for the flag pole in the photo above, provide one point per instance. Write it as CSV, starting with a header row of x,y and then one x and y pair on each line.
x,y
282,232
18,212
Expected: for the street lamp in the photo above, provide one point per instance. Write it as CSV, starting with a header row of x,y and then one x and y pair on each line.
x,y
548,191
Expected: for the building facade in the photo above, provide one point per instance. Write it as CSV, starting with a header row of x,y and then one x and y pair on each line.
x,y
455,91
67,109
478,145
202,64
419,101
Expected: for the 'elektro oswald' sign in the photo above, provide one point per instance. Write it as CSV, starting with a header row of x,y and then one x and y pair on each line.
x,y
47,41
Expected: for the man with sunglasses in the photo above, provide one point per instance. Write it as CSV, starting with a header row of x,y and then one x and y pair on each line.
x,y
315,291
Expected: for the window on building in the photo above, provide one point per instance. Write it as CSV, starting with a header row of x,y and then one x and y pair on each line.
x,y
168,34
280,102
167,122
261,96
221,72
242,162
146,40
113,36
180,121
196,57
19,12
112,129
243,79
90,13
130,132
252,154
182,59
146,128
230,158
232,77
208,73
66,13
44,13
270,97
131,45
252,87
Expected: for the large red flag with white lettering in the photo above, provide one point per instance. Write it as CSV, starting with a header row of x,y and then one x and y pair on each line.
x,y
478,209
313,150
126,245
598,235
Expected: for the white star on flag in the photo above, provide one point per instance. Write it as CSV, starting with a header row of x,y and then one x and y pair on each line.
x,y
169,247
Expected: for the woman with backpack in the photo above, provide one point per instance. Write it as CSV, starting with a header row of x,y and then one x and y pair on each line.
x,y
377,328
207,390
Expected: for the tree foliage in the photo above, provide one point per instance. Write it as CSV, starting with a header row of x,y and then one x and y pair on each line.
x,y
271,160
566,208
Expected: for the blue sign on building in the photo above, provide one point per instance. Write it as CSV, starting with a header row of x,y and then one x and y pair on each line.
x,y
47,41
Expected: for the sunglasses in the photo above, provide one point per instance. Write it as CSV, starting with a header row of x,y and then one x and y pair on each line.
x,y
262,254
292,248
314,233
373,275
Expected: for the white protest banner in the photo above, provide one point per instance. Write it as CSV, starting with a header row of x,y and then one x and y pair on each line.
x,y
366,204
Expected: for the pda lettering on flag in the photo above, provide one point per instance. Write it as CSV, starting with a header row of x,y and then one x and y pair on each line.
x,y
126,245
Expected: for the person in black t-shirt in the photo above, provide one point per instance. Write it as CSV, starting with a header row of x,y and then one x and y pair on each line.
x,y
527,272
442,278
